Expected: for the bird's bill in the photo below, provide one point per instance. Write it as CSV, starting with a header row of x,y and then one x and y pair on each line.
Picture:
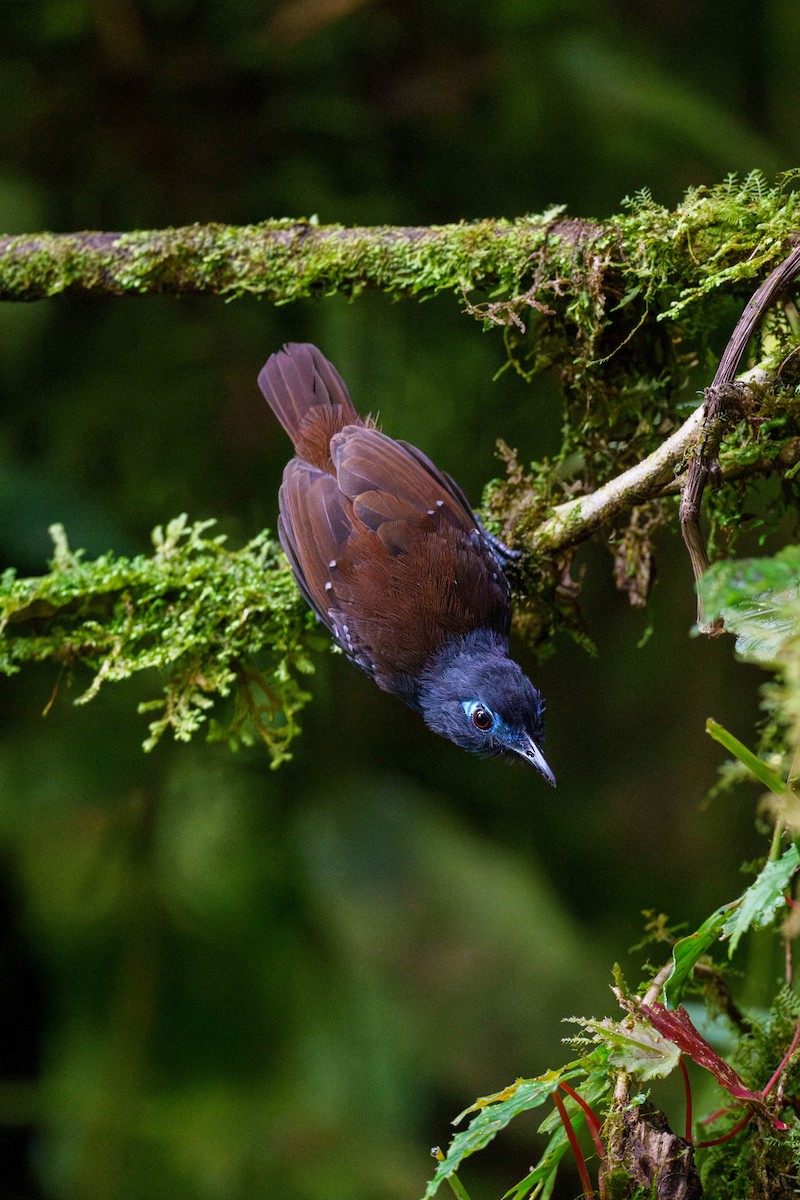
x,y
528,750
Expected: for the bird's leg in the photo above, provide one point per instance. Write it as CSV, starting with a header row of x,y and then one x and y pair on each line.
x,y
504,553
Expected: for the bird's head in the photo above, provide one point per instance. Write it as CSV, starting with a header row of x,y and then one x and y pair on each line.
x,y
479,698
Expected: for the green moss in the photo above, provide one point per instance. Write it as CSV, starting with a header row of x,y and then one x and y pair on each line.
x,y
667,260
619,311
210,621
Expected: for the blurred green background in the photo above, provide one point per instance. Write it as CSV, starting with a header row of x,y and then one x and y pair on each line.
x,y
221,982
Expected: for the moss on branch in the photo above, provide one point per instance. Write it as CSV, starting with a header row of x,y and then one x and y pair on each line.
x,y
620,311
212,622
716,236
279,260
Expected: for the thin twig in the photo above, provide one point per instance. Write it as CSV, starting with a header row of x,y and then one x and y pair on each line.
x,y
719,398
576,520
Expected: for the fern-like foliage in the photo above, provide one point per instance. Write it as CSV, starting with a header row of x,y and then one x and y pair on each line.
x,y
211,621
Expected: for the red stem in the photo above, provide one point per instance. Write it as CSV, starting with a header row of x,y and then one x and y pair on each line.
x,y
783,1062
712,1117
731,1133
592,1120
687,1087
580,1161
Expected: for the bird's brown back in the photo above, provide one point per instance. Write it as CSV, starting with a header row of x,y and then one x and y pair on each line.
x,y
383,544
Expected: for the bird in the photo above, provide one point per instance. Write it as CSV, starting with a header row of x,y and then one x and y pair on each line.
x,y
390,556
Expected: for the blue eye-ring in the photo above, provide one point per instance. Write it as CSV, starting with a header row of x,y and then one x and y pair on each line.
x,y
479,714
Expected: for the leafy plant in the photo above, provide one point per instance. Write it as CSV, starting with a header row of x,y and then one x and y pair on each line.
x,y
748,1144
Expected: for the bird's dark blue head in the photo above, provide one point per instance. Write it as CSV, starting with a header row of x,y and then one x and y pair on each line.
x,y
474,694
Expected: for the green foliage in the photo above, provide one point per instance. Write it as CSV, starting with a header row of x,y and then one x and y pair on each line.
x,y
619,310
759,600
688,951
211,621
495,1112
761,902
649,1043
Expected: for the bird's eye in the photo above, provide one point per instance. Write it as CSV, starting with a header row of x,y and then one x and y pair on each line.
x,y
481,718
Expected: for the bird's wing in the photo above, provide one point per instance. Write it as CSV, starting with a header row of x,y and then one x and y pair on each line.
x,y
321,539
389,481
441,477
445,575
388,555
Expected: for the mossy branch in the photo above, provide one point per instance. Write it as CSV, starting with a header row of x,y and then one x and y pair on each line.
x,y
613,308
575,520
279,260
657,476
716,234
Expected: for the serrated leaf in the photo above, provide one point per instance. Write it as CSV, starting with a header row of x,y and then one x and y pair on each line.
x,y
762,899
515,1093
759,600
493,1114
688,950
594,1088
635,1046
676,1026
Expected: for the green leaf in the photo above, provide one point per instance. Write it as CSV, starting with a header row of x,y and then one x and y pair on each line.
x,y
594,1089
496,1111
493,1114
544,1172
759,601
759,904
688,950
634,1045
755,907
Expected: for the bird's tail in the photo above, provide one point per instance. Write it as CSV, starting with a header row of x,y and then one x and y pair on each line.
x,y
309,398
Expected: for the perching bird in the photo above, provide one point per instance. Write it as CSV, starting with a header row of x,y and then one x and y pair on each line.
x,y
387,551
